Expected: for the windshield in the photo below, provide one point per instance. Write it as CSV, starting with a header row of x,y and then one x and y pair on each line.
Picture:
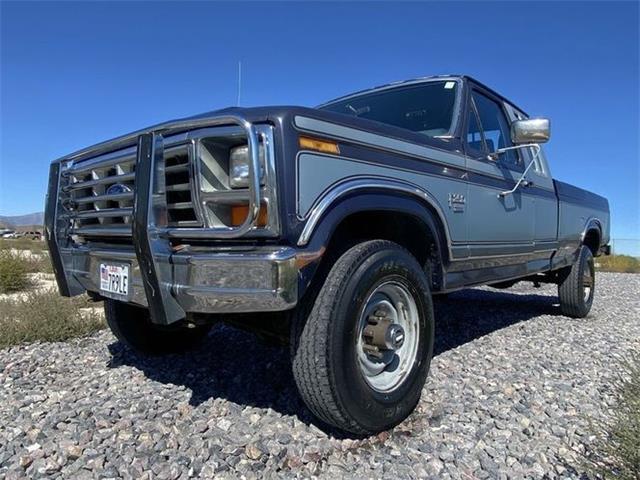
x,y
425,108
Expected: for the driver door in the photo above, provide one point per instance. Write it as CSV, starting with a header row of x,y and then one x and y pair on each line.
x,y
497,225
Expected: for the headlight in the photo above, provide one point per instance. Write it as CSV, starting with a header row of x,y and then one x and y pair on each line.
x,y
239,166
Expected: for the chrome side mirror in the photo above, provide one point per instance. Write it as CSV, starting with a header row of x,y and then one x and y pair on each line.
x,y
533,130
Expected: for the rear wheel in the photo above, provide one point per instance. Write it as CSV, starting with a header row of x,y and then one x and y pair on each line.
x,y
363,353
132,326
577,285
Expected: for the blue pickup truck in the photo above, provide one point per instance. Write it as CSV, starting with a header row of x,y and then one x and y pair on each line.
x,y
331,227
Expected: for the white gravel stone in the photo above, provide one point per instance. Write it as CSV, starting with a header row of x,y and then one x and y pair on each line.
x,y
512,389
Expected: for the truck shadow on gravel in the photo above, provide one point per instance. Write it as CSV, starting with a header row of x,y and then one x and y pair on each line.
x,y
236,366
464,316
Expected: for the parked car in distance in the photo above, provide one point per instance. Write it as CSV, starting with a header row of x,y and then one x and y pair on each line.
x,y
330,226
31,235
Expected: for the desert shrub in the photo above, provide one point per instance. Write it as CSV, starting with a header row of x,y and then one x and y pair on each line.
x,y
619,263
15,265
46,316
22,244
37,263
616,453
13,272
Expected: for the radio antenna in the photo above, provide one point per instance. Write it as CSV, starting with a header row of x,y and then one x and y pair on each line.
x,y
239,81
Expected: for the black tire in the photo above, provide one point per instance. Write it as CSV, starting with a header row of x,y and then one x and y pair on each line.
x,y
325,364
133,327
575,299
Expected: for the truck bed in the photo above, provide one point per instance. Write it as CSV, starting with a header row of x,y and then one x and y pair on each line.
x,y
578,210
572,194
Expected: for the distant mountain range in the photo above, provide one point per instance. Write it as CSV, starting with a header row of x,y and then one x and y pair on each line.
x,y
36,218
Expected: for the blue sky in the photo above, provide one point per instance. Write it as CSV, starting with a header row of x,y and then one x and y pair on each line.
x,y
74,74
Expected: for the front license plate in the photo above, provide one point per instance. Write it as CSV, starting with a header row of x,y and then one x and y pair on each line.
x,y
114,279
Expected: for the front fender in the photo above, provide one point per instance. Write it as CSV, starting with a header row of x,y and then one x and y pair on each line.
x,y
368,200
382,189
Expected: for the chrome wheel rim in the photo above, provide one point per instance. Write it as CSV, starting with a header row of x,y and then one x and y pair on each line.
x,y
387,336
587,282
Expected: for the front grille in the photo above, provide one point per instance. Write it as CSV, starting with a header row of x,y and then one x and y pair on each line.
x,y
99,192
180,204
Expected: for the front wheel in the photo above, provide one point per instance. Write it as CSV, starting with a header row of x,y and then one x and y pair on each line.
x,y
363,353
577,285
132,326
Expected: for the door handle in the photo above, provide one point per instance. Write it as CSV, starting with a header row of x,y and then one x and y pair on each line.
x,y
521,183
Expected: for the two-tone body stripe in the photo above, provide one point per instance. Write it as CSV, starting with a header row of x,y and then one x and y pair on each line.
x,y
429,166
410,156
374,140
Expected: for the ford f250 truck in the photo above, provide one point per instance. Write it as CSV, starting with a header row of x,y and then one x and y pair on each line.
x,y
335,224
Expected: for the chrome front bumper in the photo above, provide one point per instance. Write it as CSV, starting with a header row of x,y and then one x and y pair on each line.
x,y
223,281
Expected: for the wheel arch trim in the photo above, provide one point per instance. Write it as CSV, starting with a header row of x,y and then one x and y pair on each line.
x,y
592,223
367,185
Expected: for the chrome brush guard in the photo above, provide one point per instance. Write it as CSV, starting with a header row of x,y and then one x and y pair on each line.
x,y
174,280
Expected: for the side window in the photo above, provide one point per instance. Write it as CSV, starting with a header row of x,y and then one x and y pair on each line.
x,y
496,129
474,132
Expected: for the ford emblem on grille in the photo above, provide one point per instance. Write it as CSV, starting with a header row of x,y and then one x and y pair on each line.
x,y
117,189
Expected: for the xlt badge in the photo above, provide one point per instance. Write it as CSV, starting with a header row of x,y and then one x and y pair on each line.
x,y
456,202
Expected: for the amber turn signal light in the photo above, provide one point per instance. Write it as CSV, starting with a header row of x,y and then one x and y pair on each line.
x,y
323,146
239,214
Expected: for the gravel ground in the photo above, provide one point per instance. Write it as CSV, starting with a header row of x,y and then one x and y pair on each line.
x,y
511,391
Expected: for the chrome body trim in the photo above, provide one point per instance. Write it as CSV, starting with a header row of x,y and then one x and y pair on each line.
x,y
92,183
105,197
179,128
252,135
102,231
267,194
220,281
107,212
106,160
